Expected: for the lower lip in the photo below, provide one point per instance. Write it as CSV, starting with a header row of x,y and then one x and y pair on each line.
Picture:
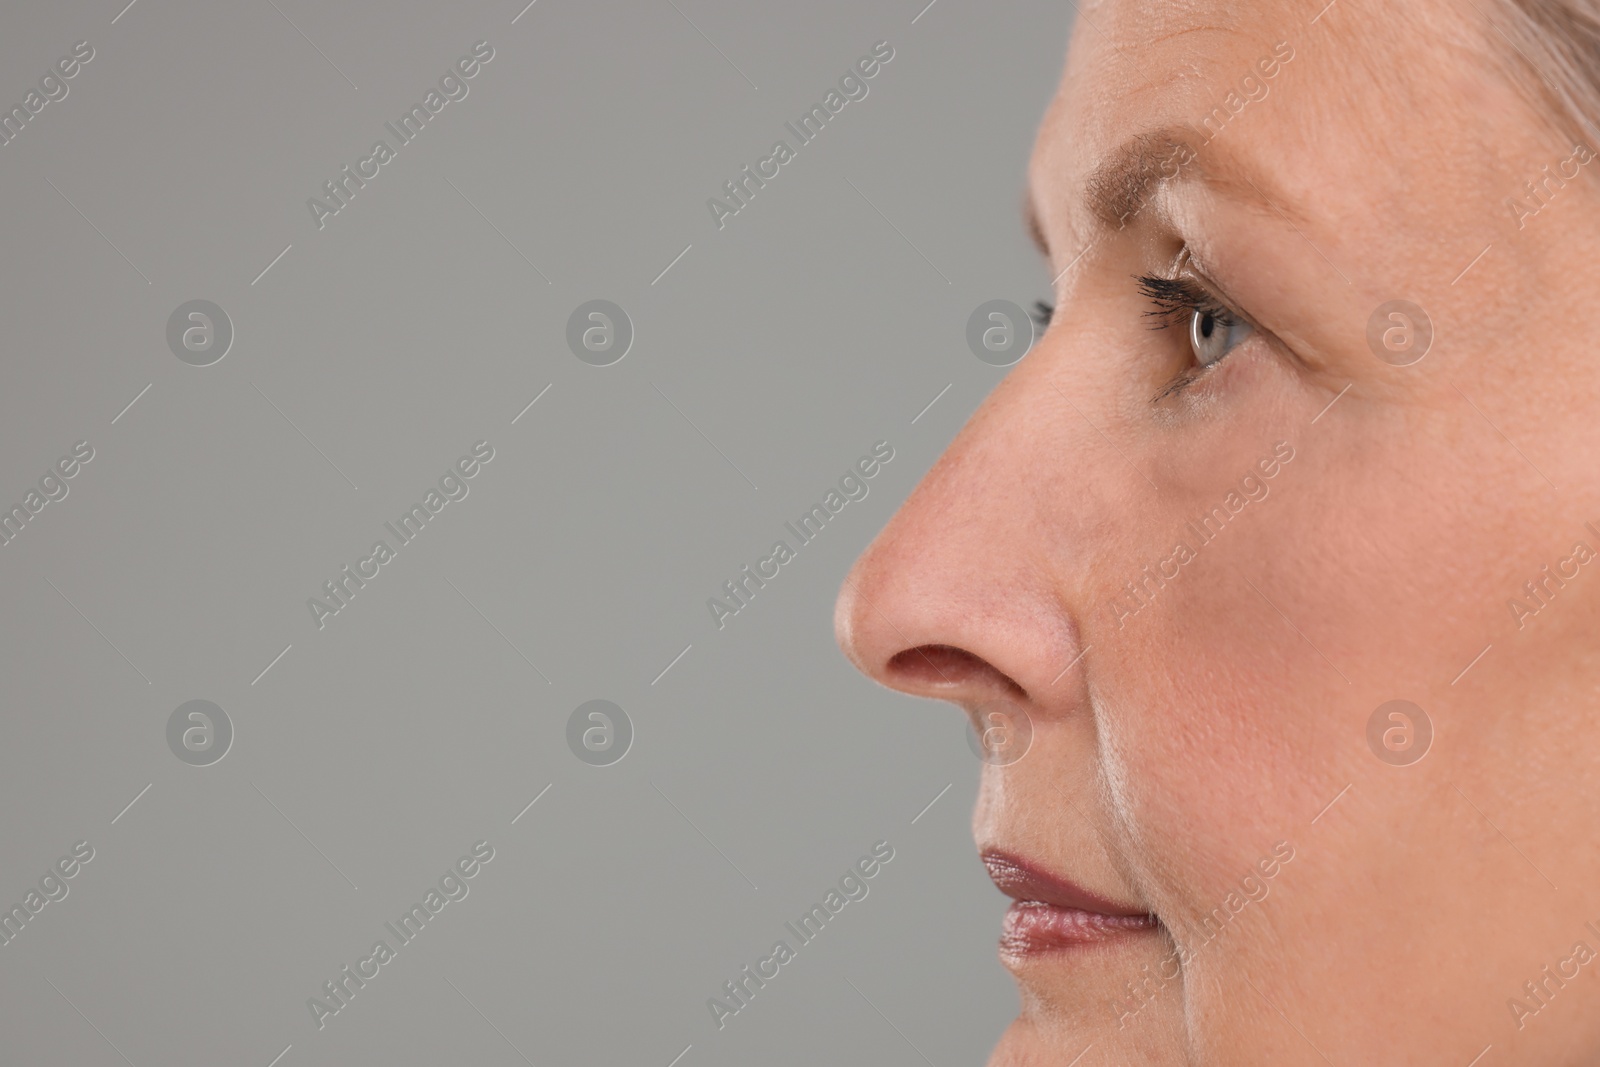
x,y
1033,927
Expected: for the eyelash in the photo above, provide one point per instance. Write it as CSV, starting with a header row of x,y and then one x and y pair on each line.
x,y
1176,301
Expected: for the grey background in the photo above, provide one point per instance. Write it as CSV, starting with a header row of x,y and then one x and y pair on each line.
x,y
377,750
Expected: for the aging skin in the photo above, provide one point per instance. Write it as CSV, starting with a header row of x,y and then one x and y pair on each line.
x,y
1176,745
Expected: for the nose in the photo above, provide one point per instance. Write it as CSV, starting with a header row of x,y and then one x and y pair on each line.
x,y
968,594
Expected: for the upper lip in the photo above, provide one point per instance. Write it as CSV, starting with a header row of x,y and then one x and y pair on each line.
x,y
1022,880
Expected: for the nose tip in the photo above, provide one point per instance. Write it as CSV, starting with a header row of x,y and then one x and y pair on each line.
x,y
923,614
932,669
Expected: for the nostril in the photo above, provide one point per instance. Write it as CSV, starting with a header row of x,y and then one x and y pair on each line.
x,y
945,665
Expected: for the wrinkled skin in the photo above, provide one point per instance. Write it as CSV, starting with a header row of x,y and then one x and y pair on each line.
x,y
1174,746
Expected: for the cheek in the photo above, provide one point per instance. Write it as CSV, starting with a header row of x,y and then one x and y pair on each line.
x,y
1198,753
1397,556
1233,704
1215,715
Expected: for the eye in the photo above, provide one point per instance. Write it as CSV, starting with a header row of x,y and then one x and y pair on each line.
x,y
1213,333
1214,330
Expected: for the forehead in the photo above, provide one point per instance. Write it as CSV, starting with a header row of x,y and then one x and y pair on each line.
x,y
1326,102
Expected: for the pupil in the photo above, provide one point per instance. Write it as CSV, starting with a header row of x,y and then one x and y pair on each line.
x,y
1207,324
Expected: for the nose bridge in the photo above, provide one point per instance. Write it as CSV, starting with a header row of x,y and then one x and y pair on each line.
x,y
966,593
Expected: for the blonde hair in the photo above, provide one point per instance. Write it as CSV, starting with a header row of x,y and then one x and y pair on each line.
x,y
1558,42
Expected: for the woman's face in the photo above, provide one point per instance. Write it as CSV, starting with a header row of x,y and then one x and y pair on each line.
x,y
1218,518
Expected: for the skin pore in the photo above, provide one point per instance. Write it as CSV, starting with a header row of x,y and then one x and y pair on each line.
x,y
1184,734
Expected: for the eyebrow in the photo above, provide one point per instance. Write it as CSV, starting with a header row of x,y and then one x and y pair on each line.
x,y
1125,179
1122,183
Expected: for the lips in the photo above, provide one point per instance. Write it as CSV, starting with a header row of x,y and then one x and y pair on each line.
x,y
1053,914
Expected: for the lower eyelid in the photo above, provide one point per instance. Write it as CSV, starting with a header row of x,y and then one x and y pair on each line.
x,y
1199,374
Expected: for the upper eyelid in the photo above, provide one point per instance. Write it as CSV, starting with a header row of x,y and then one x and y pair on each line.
x,y
1223,301
1182,293
1187,264
1044,312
